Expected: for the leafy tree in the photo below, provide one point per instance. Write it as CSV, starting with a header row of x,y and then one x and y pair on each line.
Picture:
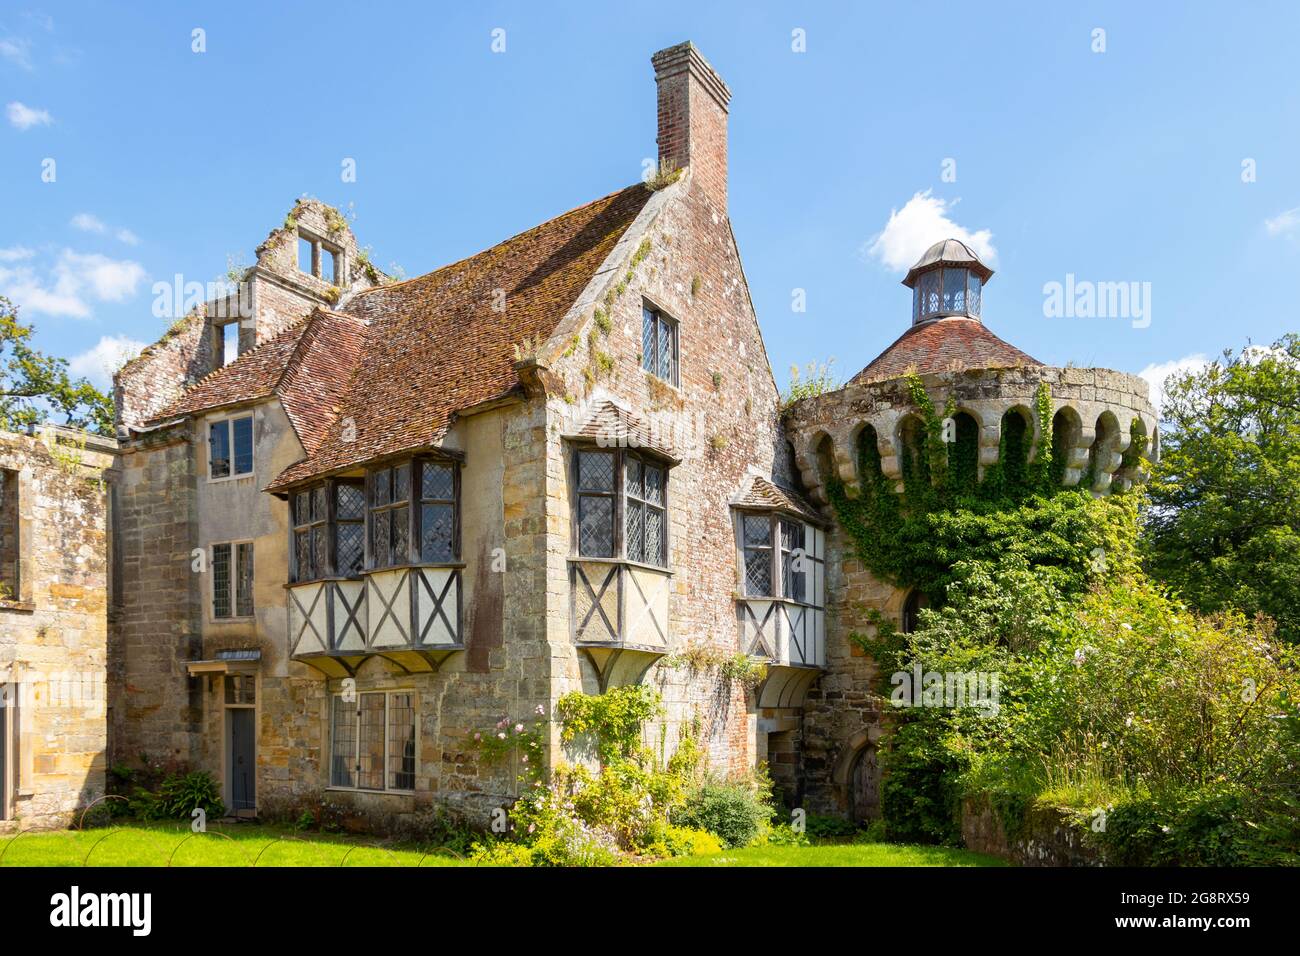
x,y
35,386
1224,527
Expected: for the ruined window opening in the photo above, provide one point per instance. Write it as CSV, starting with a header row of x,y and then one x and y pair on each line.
x,y
225,342
306,255
230,448
232,580
414,521
373,742
320,259
9,539
622,506
659,345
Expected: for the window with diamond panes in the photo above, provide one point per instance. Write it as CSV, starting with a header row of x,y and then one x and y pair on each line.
x,y
437,512
310,528
390,516
794,580
756,532
659,344
596,504
644,510
349,528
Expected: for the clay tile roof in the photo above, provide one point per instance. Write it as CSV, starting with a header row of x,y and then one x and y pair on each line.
x,y
306,366
762,493
943,345
436,344
613,427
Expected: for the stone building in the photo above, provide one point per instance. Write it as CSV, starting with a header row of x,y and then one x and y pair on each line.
x,y
54,582
374,518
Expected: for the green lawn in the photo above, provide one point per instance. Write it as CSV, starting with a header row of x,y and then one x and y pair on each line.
x,y
165,844
233,845
841,854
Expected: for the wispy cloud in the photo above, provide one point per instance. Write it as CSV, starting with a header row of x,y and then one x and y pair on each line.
x,y
70,285
17,51
89,222
1158,373
924,220
24,117
99,362
1284,223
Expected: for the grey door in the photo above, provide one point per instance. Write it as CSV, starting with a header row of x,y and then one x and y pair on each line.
x,y
241,762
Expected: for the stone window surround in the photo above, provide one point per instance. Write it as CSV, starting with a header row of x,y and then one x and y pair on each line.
x,y
229,421
387,694
318,243
23,597
233,617
662,315
619,495
775,516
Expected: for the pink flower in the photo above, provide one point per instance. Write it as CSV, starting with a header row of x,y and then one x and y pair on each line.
x,y
501,736
541,711
519,728
478,736
525,758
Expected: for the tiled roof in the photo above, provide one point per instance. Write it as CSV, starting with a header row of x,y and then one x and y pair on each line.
x,y
762,493
613,427
306,365
943,345
442,342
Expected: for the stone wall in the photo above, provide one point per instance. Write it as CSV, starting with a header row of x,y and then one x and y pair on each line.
x,y
53,625
1047,836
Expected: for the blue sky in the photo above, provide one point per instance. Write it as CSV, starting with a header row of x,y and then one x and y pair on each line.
x,y
1117,166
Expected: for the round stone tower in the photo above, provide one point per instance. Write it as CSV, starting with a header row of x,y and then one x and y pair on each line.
x,y
1096,415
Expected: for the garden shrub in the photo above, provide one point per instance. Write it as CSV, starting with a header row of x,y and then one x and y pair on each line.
x,y
734,812
183,793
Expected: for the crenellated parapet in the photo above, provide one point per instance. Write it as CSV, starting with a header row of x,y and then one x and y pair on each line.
x,y
1096,415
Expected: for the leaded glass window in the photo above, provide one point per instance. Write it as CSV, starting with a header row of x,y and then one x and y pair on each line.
x,y
390,516
437,512
232,580
349,528
373,741
794,573
610,482
659,344
644,509
221,580
596,504
756,539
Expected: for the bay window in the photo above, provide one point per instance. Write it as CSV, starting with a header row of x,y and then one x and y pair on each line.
x,y
775,556
372,741
414,514
328,530
621,506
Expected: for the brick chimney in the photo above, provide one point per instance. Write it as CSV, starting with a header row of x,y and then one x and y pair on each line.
x,y
693,118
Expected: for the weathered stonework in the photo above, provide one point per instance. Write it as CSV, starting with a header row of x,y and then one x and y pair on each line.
x,y
53,629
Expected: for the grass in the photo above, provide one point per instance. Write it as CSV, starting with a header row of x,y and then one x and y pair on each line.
x,y
841,854
171,844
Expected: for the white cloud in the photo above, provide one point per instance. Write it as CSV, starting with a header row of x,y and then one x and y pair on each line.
x,y
15,253
1284,223
87,222
110,280
16,51
24,117
923,221
100,361
1157,373
75,279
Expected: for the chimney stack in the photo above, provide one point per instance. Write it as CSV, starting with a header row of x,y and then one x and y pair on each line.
x,y
693,118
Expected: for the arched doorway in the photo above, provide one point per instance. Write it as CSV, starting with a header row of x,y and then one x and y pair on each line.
x,y
911,616
864,786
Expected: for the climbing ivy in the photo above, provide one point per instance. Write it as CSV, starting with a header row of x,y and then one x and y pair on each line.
x,y
944,514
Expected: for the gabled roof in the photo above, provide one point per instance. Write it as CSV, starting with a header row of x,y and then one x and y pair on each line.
x,y
943,345
768,496
445,341
613,426
305,366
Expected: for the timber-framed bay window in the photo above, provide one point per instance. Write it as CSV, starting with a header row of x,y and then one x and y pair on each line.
x,y
376,567
618,569
782,584
414,521
373,741
622,506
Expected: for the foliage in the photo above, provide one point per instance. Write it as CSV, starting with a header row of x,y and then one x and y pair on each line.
x,y
735,812
183,793
35,386
514,738
666,175
814,380
610,721
1224,528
